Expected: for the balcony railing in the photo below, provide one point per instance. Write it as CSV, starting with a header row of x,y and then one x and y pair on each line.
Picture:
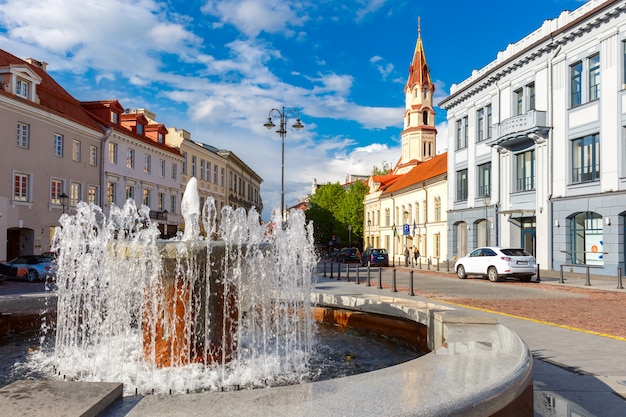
x,y
512,128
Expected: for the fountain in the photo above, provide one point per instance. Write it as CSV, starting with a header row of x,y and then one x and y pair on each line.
x,y
212,309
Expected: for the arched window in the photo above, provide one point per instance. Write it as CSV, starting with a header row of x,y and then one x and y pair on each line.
x,y
586,238
437,209
425,117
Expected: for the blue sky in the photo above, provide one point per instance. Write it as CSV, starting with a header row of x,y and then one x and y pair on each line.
x,y
216,68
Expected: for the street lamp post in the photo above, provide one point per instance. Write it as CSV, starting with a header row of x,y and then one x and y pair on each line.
x,y
283,115
64,197
406,219
369,233
350,235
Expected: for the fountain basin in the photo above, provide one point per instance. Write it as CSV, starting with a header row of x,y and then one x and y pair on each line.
x,y
477,367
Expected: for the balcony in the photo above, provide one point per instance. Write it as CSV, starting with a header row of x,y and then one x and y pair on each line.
x,y
520,132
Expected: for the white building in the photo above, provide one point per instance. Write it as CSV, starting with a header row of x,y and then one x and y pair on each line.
x,y
537,144
406,209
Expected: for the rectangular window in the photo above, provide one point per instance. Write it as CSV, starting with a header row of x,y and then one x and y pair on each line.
x,y
173,204
130,158
437,209
93,155
489,120
58,145
23,134
76,150
223,177
161,202
112,153
459,133
111,193
139,129
465,130
92,194
115,117
202,169
525,177
130,192
530,91
437,244
484,179
162,168
480,120
147,162
146,197
518,105
208,171
21,187
576,84
22,88
185,163
194,162
174,171
594,77
75,193
461,185
160,138
56,189
586,159
215,172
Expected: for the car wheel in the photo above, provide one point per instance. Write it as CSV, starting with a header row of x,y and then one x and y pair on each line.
x,y
460,272
492,274
32,276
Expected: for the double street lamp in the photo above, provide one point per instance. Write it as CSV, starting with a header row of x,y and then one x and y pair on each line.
x,y
283,115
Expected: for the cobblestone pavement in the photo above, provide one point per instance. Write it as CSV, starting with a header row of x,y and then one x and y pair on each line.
x,y
590,310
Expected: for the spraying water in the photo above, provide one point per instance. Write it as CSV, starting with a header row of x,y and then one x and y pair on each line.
x,y
186,314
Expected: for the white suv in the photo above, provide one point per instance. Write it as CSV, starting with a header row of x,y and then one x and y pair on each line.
x,y
495,263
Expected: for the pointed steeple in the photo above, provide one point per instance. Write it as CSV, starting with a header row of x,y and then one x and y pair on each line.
x,y
418,71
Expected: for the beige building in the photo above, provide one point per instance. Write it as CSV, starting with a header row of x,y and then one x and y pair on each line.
x,y
220,173
51,156
406,208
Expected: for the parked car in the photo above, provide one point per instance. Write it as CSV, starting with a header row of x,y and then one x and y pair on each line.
x,y
335,255
375,256
38,267
496,263
350,255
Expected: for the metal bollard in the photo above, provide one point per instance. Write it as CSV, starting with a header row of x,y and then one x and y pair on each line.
x,y
393,281
428,264
447,265
420,262
561,280
347,273
357,275
437,264
619,278
538,273
369,283
338,272
411,293
324,269
587,278
380,278
331,270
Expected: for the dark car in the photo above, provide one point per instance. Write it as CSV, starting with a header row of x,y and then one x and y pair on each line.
x,y
350,255
335,255
375,256
37,267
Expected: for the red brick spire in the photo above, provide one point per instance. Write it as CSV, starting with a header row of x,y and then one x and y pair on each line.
x,y
418,71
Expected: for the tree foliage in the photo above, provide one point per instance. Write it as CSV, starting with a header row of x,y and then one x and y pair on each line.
x,y
332,208
384,169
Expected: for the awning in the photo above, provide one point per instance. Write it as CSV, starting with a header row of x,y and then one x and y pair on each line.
x,y
518,213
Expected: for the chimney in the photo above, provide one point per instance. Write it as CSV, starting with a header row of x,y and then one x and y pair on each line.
x,y
40,64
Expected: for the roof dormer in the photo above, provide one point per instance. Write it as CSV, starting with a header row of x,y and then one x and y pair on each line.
x,y
108,111
20,80
135,122
156,132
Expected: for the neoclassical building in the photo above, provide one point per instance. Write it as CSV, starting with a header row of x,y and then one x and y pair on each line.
x,y
537,144
406,208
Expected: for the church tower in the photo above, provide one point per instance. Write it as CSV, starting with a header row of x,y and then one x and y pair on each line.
x,y
419,133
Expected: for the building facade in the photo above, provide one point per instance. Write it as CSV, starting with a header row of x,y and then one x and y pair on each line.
x,y
537,144
50,159
406,208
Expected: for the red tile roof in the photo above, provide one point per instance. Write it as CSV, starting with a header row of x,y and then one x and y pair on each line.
x,y
422,172
52,97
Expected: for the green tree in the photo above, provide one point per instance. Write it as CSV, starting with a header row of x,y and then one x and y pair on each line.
x,y
332,208
383,170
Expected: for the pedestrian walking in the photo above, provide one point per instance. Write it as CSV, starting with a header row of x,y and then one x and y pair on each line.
x,y
406,256
416,254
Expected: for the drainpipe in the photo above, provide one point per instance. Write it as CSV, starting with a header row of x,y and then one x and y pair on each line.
x,y
103,184
425,219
